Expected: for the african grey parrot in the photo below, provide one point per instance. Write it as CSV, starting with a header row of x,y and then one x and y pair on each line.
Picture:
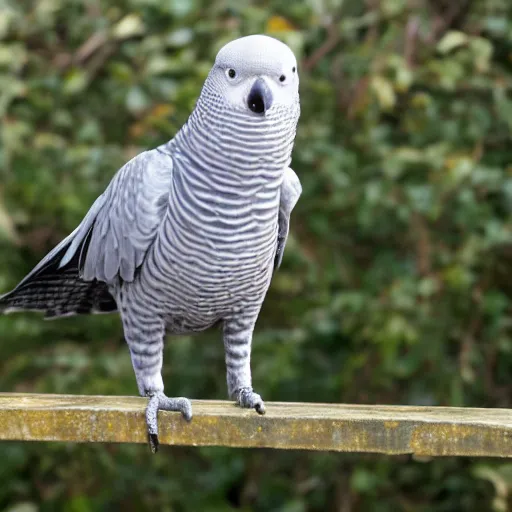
x,y
188,235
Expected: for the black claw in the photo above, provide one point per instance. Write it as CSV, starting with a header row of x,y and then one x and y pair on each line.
x,y
153,442
260,408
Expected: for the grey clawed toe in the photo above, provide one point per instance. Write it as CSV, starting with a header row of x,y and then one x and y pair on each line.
x,y
159,401
246,398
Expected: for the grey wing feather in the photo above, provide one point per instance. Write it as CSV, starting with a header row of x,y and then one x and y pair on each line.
x,y
291,190
123,221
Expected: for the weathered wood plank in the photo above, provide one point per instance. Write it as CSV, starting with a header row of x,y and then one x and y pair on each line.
x,y
425,431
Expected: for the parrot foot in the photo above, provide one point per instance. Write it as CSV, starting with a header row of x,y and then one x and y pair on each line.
x,y
158,401
248,399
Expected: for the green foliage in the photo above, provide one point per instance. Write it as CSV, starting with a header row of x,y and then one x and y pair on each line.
x,y
395,286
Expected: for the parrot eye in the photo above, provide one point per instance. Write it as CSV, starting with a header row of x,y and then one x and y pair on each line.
x,y
293,69
282,78
231,73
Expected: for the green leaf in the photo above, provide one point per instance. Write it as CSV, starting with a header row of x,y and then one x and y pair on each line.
x,y
129,26
451,41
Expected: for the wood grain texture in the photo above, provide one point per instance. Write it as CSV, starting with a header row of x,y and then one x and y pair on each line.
x,y
424,431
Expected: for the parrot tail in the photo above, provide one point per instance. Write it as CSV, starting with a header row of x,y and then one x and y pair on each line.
x,y
58,291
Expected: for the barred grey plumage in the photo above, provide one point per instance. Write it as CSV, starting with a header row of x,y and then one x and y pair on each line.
x,y
189,234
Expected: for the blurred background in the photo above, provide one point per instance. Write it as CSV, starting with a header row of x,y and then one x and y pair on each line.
x,y
395,285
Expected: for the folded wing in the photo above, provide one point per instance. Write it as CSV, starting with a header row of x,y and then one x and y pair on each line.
x,y
291,190
109,244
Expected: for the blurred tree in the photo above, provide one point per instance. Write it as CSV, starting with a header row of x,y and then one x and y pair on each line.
x,y
395,285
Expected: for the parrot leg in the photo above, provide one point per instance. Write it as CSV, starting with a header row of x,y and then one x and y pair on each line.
x,y
237,347
145,337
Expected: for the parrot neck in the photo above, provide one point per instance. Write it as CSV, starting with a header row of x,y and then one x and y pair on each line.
x,y
223,140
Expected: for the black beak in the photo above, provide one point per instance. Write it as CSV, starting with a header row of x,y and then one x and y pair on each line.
x,y
260,97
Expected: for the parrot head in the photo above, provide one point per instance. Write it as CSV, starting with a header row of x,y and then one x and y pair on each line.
x,y
256,74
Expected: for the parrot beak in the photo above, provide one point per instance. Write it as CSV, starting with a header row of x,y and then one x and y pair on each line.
x,y
260,97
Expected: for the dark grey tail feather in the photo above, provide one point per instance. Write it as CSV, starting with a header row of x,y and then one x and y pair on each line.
x,y
59,291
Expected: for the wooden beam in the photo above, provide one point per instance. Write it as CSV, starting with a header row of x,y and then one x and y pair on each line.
x,y
424,431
